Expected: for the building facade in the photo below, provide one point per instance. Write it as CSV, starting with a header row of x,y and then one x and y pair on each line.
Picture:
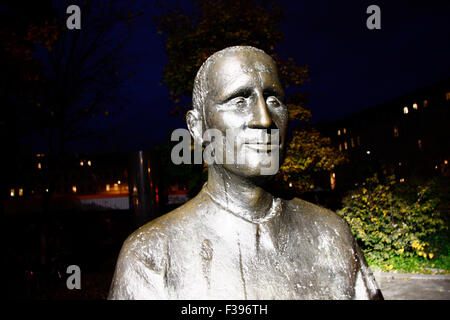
x,y
406,136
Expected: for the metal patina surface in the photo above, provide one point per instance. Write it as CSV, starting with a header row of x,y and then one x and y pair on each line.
x,y
234,240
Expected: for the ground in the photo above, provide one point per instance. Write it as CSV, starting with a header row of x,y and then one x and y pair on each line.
x,y
396,286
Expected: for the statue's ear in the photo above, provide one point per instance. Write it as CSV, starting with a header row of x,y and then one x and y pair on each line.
x,y
195,123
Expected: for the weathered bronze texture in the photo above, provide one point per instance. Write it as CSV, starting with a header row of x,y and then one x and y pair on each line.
x,y
234,240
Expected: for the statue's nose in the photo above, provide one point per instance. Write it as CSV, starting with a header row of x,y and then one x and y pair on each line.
x,y
262,118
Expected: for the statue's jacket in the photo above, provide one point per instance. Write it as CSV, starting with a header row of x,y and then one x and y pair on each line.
x,y
201,251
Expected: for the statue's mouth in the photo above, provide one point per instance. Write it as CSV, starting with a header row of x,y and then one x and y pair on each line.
x,y
262,146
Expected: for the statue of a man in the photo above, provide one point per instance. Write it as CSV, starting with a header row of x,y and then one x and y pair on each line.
x,y
234,240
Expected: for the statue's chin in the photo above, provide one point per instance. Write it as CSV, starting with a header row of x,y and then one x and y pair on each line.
x,y
258,167
257,172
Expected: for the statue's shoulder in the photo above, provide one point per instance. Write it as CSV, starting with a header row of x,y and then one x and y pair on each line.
x,y
308,208
308,213
154,235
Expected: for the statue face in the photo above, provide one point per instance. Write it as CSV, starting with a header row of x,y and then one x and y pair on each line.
x,y
245,96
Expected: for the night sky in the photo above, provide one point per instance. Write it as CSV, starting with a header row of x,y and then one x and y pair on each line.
x,y
351,67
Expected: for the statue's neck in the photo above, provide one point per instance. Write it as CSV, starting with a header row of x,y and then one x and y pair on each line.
x,y
237,194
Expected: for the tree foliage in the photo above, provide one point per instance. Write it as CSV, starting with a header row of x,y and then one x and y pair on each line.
x,y
308,153
212,25
389,222
66,77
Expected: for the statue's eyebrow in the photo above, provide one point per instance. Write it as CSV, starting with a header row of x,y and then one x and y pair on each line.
x,y
243,91
270,91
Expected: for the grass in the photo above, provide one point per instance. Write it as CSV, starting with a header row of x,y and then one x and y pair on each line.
x,y
440,265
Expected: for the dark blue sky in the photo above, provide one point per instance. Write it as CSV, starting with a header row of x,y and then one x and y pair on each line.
x,y
351,67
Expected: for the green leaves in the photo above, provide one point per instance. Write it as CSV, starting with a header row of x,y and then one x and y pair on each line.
x,y
388,223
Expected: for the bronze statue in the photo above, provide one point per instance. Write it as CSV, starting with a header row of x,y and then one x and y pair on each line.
x,y
234,240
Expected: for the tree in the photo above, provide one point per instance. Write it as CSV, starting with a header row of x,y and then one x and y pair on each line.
x,y
20,77
212,25
308,153
84,70
63,79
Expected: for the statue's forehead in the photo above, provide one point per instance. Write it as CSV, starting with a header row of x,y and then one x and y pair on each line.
x,y
227,68
256,66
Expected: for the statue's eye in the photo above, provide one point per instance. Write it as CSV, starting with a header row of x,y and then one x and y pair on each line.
x,y
239,101
273,101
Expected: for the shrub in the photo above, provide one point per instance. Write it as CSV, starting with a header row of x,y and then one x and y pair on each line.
x,y
390,221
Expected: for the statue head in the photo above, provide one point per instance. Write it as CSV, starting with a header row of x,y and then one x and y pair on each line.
x,y
237,91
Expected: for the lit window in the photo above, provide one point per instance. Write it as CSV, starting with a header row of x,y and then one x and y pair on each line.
x,y
340,147
425,103
20,192
358,139
12,193
419,143
445,161
402,180
108,188
399,164
345,131
74,189
436,167
415,107
333,180
405,110
345,145
116,187
81,163
352,141
39,166
89,163
395,131
447,96
339,132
